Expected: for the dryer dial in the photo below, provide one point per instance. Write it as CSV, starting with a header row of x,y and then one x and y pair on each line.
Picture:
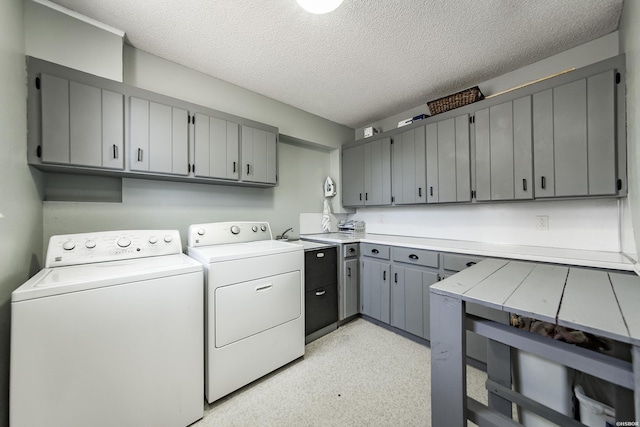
x,y
235,229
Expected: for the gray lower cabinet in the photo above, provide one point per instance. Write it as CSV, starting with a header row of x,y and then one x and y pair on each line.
x,y
374,281
259,156
216,147
448,160
410,298
409,167
81,125
574,138
350,289
159,137
504,164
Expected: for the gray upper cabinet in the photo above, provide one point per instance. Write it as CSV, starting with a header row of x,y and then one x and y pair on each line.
x,y
448,160
574,138
353,176
409,167
159,138
377,172
217,145
503,151
259,151
82,125
366,172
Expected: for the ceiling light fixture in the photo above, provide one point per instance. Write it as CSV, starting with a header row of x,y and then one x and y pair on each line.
x,y
319,6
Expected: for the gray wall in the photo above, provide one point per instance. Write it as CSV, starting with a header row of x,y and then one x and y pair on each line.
x,y
20,203
630,45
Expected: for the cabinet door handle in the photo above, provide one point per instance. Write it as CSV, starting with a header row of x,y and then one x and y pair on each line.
x,y
139,154
524,184
431,191
320,255
375,251
320,293
360,196
352,250
384,275
248,169
366,196
413,256
420,192
234,167
348,271
395,278
543,182
470,263
115,151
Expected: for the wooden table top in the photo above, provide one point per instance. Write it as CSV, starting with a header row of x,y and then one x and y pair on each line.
x,y
603,303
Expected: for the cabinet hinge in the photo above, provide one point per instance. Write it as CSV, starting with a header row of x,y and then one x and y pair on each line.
x,y
472,119
619,184
189,167
193,119
188,118
38,83
193,168
39,151
473,194
393,199
618,78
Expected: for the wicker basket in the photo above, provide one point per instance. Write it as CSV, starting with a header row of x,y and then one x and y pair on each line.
x,y
462,98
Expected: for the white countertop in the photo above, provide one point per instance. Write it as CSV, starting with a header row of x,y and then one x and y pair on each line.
x,y
585,258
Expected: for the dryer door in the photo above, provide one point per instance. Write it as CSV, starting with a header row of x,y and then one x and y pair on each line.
x,y
248,308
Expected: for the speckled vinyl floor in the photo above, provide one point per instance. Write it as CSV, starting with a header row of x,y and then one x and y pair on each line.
x,y
359,375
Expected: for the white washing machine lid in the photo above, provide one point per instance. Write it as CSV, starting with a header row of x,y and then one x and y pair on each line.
x,y
63,280
227,252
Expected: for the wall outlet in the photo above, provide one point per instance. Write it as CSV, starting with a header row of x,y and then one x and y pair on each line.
x,y
542,222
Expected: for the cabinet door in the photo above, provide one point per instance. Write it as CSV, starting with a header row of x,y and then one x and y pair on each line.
x,y
375,290
398,297
448,161
85,125
159,138
82,125
55,119
112,130
139,123
377,172
413,301
216,146
574,138
353,176
428,279
503,151
351,285
409,167
259,151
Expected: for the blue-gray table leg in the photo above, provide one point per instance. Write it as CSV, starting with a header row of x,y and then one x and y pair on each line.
x,y
635,355
499,370
448,368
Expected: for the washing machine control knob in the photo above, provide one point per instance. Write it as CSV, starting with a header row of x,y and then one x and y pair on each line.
x,y
201,232
235,229
68,245
90,244
153,240
168,238
255,229
263,227
123,242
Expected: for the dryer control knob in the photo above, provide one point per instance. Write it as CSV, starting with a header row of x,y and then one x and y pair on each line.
x,y
123,242
168,238
68,245
235,229
201,232
90,244
263,227
255,229
153,240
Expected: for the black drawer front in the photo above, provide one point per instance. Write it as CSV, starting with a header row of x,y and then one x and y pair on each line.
x,y
321,308
320,268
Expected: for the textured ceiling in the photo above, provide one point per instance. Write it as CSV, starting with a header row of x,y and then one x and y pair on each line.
x,y
365,61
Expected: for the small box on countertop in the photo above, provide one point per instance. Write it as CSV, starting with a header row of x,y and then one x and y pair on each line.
x,y
370,131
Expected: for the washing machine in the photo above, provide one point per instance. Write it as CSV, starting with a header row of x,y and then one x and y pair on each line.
x,y
109,333
254,305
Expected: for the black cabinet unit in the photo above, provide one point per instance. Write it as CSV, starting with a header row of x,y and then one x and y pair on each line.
x,y
321,290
